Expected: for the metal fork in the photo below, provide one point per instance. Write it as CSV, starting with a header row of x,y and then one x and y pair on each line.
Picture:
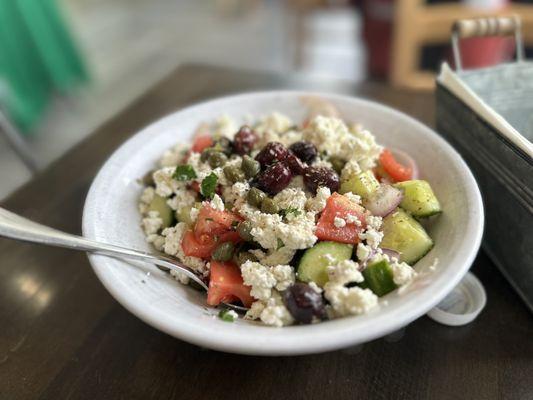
x,y
14,226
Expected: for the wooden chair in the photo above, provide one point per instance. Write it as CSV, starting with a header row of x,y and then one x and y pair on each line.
x,y
417,24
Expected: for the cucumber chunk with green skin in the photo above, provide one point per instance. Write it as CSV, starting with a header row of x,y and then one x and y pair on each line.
x,y
160,205
379,278
418,198
314,263
362,184
404,234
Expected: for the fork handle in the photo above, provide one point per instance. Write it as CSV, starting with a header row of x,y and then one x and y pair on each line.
x,y
16,227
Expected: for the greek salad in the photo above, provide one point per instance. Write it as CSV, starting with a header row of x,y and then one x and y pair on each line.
x,y
298,222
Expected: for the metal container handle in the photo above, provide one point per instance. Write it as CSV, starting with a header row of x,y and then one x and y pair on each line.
x,y
491,26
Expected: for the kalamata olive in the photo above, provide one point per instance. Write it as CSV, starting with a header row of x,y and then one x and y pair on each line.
x,y
314,177
244,140
296,166
274,179
273,151
305,151
304,303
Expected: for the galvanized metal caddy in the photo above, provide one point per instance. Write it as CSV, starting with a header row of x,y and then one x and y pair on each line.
x,y
487,114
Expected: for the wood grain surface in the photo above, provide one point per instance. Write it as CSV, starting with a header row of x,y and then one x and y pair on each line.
x,y
62,336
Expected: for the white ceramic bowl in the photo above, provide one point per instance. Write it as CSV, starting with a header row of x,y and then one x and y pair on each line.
x,y
111,215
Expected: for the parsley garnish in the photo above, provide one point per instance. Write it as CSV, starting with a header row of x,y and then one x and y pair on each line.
x,y
184,173
290,210
209,184
226,315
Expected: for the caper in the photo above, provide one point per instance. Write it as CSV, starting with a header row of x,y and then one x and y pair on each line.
x,y
234,173
244,256
250,166
217,159
224,145
337,164
269,207
204,157
223,252
244,229
255,197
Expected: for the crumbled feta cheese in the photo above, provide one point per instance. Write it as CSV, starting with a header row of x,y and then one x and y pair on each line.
x,y
297,182
173,237
274,257
290,137
350,301
275,122
290,198
259,278
193,214
315,287
157,241
269,229
152,223
353,219
318,202
372,237
339,222
146,198
183,198
331,135
284,275
164,183
217,203
346,271
363,251
263,279
374,221
236,194
353,197
351,168
271,312
402,273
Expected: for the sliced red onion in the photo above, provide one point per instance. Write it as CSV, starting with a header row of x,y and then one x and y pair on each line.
x,y
391,253
405,159
384,200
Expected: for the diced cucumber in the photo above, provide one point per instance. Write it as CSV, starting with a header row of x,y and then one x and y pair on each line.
x,y
362,184
313,264
184,213
418,198
402,233
160,205
379,278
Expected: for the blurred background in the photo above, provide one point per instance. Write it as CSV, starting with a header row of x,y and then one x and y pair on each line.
x,y
66,66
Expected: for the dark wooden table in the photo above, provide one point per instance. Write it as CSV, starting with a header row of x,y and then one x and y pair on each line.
x,y
63,336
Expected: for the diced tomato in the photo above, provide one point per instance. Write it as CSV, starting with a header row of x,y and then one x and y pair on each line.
x,y
213,224
194,248
226,285
340,206
393,168
202,142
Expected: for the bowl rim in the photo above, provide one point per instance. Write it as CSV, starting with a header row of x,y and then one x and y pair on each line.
x,y
344,337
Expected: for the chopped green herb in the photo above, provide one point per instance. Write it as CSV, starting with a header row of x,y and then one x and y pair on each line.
x,y
208,186
290,210
280,244
184,173
227,315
